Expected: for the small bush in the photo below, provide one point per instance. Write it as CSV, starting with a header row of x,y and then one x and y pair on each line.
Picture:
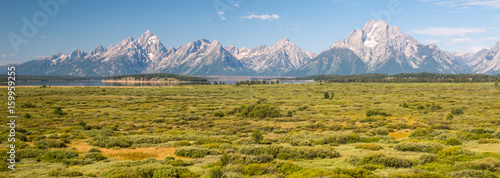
x,y
256,169
287,168
427,158
405,174
428,147
457,153
373,147
58,111
195,152
381,131
486,141
218,114
488,164
470,173
371,112
453,141
57,155
181,143
216,172
420,132
457,111
94,150
49,143
381,159
95,156
258,111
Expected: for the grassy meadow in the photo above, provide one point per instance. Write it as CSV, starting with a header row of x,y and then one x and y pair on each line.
x,y
274,130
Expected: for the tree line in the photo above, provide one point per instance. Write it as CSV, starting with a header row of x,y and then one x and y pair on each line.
x,y
158,76
423,77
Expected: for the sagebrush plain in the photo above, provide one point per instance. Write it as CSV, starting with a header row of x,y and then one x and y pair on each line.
x,y
273,130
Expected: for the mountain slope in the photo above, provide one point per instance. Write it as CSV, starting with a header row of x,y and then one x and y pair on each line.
x,y
384,49
335,61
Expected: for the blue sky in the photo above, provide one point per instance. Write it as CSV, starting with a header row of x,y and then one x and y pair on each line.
x,y
314,25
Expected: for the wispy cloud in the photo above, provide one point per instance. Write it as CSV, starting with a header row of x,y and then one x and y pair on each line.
x,y
466,4
446,31
430,41
262,17
477,48
460,40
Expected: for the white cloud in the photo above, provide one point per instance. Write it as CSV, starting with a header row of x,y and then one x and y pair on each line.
x,y
262,17
460,40
236,5
4,55
430,41
491,38
477,48
446,31
220,13
495,4
466,4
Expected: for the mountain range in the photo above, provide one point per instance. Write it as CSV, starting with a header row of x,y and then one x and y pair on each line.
x,y
376,48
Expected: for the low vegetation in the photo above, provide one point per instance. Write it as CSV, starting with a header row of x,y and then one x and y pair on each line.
x,y
260,130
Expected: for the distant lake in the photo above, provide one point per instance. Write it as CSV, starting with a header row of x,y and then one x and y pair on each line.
x,y
226,80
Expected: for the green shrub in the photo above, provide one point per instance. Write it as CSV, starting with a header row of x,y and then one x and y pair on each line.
x,y
372,167
58,111
373,147
457,153
488,164
381,159
218,114
486,141
300,142
428,147
417,175
371,112
420,132
247,159
181,143
180,163
343,138
108,142
49,143
30,153
256,169
95,156
57,155
64,173
195,152
457,111
258,111
216,172
94,150
287,168
381,131
257,136
291,152
470,173
427,158
453,141
356,173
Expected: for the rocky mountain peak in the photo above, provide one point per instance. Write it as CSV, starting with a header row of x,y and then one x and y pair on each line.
x,y
148,38
283,43
99,49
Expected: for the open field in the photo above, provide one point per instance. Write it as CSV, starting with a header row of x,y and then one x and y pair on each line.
x,y
279,130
